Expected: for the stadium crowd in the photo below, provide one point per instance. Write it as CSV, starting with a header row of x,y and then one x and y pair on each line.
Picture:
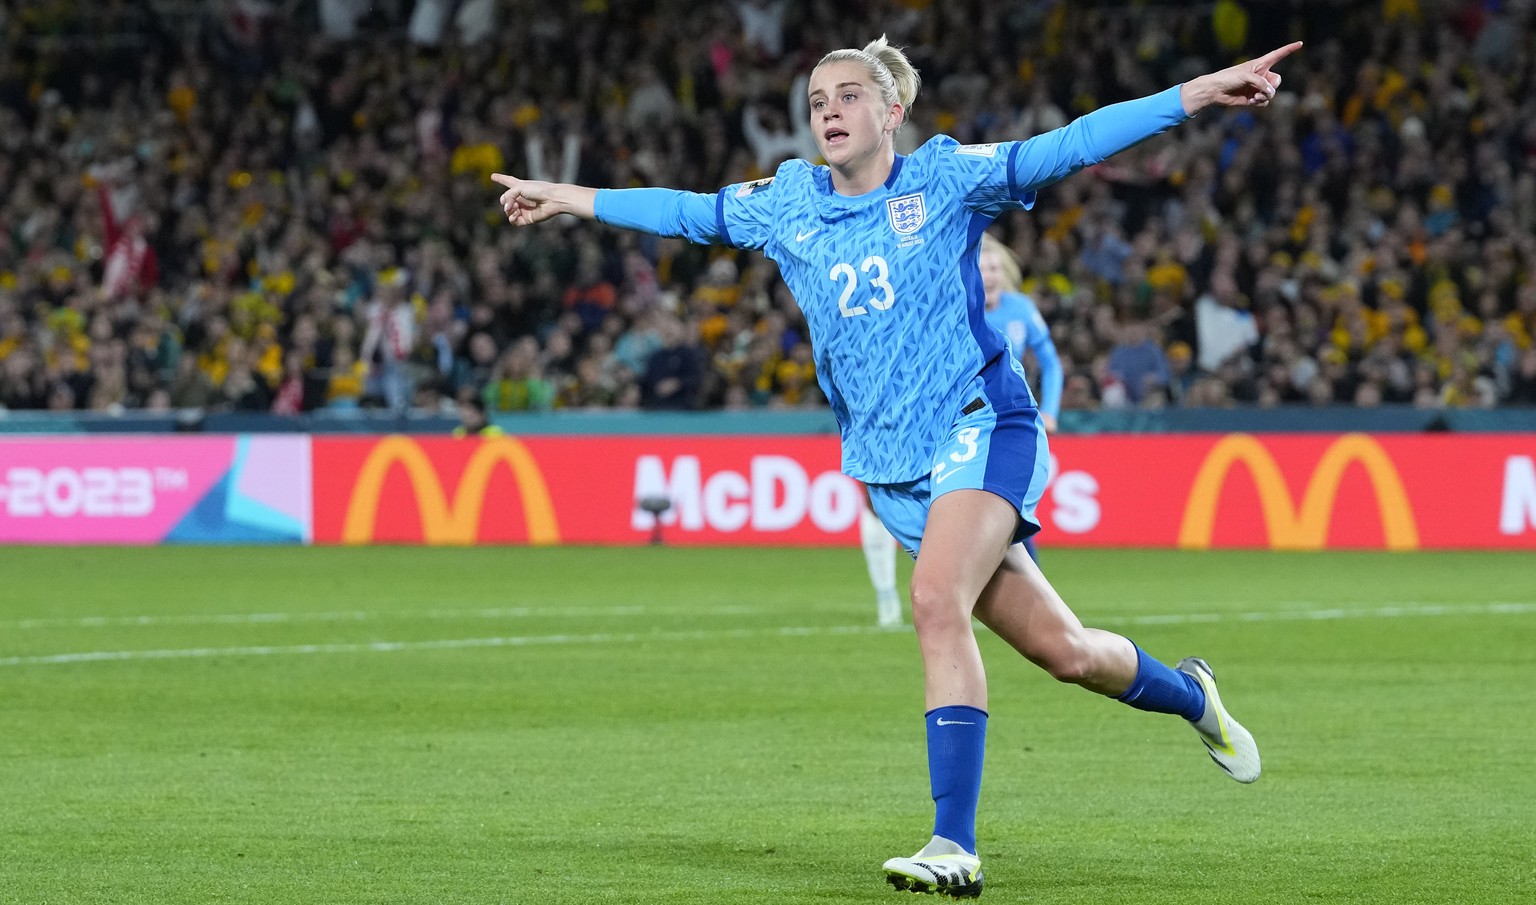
x,y
282,207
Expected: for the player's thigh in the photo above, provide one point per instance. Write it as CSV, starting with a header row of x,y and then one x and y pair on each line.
x,y
1020,606
968,532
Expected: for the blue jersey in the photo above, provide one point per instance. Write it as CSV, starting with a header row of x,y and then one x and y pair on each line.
x,y
889,281
1020,321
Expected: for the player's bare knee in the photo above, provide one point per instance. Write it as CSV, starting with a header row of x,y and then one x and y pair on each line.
x,y
1073,669
933,606
1067,661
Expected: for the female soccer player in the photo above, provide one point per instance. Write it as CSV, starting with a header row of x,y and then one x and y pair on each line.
x,y
1015,314
881,252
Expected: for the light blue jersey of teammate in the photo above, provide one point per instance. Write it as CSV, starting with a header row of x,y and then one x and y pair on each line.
x,y
1020,321
889,280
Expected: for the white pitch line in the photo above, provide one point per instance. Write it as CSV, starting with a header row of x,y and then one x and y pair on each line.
x,y
447,644
1307,612
520,612
1397,611
1383,612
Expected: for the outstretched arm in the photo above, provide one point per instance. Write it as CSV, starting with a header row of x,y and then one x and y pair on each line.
x,y
661,212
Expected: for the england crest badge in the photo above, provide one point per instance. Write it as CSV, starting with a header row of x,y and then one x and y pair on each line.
x,y
907,213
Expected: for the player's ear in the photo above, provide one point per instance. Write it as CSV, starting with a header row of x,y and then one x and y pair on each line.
x,y
894,117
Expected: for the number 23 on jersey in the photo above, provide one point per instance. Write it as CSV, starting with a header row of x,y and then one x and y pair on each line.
x,y
876,273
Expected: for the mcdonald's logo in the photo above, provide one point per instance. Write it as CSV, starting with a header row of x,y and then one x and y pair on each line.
x,y
1305,528
443,522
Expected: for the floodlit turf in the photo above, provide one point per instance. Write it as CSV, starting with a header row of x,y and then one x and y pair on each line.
x,y
683,726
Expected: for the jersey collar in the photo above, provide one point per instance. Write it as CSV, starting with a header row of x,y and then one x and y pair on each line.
x,y
832,203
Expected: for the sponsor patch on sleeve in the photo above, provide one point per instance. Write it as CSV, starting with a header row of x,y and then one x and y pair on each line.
x,y
986,150
755,185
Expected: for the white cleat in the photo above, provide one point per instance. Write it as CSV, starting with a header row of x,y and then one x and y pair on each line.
x,y
1230,745
942,867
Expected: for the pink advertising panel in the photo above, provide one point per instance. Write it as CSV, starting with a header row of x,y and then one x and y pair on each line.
x,y
147,490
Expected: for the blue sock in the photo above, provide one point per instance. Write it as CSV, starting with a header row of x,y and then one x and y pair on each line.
x,y
957,744
1162,689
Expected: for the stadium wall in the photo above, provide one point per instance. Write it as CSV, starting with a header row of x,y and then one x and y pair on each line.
x,y
1196,491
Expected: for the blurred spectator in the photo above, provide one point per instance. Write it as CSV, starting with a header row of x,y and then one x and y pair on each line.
x,y
347,380
242,389
635,348
22,382
651,104
473,421
794,378
1077,393
191,389
517,381
389,342
762,25
339,18
298,390
473,20
591,297
1138,362
1112,391
1039,114
1181,371
1105,252
1522,389
673,372
472,366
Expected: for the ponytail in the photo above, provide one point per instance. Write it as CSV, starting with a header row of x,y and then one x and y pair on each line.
x,y
890,69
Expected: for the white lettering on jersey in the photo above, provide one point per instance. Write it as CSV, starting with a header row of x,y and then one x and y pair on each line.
x,y
986,150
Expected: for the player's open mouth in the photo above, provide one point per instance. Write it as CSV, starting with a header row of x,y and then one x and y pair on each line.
x,y
833,136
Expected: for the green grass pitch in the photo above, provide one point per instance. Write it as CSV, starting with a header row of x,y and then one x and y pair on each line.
x,y
658,725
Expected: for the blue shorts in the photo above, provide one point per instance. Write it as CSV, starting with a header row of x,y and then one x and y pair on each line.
x,y
1001,450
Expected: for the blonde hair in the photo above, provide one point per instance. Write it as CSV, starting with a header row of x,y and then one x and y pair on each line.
x,y
1013,274
892,72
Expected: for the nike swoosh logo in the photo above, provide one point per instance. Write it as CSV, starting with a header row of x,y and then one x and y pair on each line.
x,y
801,237
943,722
944,476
